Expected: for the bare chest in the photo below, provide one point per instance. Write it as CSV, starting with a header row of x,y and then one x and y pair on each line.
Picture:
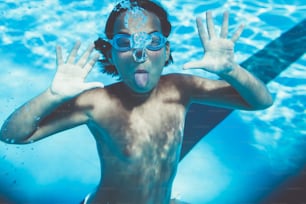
x,y
151,130
155,130
139,147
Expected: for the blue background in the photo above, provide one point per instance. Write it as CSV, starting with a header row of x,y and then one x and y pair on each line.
x,y
242,160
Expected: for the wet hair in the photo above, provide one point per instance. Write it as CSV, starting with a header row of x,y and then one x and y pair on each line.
x,y
104,47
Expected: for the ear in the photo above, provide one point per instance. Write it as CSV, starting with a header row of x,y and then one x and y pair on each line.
x,y
168,51
109,56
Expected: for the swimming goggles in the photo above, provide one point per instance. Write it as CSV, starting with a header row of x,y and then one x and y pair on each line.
x,y
151,41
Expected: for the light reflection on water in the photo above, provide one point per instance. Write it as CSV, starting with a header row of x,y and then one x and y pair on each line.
x,y
29,31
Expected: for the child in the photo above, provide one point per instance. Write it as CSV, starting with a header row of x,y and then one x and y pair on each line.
x,y
138,122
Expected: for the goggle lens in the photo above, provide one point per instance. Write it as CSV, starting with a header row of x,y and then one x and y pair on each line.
x,y
124,42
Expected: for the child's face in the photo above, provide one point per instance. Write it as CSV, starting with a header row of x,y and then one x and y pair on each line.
x,y
140,74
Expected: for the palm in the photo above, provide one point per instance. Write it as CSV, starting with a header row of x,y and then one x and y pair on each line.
x,y
218,55
70,77
219,51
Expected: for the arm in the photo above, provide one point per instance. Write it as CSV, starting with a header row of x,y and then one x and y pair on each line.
x,y
239,88
55,109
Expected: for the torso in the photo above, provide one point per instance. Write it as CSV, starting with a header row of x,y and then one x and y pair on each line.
x,y
138,143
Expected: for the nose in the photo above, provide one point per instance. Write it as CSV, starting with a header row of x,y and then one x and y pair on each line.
x,y
140,55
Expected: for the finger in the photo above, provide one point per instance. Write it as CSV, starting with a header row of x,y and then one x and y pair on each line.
x,y
193,65
74,52
237,33
201,30
210,25
82,61
88,67
224,28
59,55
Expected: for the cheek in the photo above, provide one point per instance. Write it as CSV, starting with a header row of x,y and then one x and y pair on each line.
x,y
120,58
158,57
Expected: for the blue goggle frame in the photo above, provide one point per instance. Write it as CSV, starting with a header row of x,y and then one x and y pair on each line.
x,y
152,41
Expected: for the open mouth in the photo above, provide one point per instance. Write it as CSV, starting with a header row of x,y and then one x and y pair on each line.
x,y
141,78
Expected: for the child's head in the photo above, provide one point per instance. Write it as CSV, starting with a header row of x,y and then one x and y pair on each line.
x,y
127,5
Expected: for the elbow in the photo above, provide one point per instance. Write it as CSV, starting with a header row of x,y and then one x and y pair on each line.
x,y
4,136
10,138
268,102
264,104
5,139
13,141
11,133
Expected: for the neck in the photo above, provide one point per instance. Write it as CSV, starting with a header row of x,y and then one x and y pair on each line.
x,y
130,98
138,96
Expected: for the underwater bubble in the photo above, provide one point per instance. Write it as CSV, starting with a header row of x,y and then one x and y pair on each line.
x,y
8,140
125,4
135,18
133,12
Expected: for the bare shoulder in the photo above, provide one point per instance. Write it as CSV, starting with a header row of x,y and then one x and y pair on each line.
x,y
184,80
93,99
90,96
186,83
200,90
191,83
177,80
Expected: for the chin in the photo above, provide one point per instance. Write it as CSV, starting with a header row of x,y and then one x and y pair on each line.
x,y
142,90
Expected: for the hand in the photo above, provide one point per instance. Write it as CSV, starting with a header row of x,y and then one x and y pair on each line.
x,y
219,51
69,79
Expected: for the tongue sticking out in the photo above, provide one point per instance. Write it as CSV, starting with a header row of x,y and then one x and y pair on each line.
x,y
141,78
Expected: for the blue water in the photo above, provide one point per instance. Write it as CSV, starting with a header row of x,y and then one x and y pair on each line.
x,y
241,161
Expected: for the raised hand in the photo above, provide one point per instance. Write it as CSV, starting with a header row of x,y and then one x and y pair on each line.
x,y
219,50
69,79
